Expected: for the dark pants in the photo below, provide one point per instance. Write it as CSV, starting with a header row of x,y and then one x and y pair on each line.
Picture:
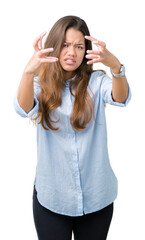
x,y
53,226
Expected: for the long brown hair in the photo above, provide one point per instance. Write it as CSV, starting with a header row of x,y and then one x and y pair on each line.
x,y
51,79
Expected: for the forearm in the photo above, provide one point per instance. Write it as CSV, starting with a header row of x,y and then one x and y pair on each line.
x,y
119,85
26,92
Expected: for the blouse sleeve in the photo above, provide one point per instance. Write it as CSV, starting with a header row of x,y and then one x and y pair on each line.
x,y
19,110
106,91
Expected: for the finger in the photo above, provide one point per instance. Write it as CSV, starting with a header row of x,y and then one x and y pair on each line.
x,y
46,50
92,56
95,41
99,43
90,38
93,52
49,59
94,61
40,44
35,43
40,41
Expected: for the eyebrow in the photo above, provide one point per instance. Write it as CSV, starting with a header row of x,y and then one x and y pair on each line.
x,y
75,44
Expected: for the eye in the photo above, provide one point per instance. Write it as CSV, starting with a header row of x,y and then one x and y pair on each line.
x,y
65,45
80,47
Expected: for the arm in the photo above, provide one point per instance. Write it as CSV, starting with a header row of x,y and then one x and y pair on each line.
x,y
26,92
119,85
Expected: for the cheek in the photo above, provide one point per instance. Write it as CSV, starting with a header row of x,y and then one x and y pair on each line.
x,y
61,56
81,57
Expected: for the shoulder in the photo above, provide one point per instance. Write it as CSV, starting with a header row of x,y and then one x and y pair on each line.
x,y
96,77
98,73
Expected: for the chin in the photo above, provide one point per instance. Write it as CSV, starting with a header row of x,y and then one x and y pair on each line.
x,y
69,69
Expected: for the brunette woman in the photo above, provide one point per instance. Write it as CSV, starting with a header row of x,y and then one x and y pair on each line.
x,y
75,186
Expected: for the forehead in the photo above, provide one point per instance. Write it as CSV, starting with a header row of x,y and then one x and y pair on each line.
x,y
74,36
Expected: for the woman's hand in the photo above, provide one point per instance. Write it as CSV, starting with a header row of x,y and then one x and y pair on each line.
x,y
102,55
119,87
39,56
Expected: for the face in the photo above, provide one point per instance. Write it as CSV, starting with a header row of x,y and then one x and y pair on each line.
x,y
72,53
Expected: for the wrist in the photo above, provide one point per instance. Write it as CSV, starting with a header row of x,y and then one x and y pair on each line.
x,y
28,71
116,68
120,74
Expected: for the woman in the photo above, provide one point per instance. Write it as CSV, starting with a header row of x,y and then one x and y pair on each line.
x,y
75,186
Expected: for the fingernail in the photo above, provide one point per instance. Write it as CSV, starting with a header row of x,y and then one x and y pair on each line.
x,y
51,49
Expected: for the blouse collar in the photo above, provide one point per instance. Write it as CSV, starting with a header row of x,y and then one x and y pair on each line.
x,y
68,81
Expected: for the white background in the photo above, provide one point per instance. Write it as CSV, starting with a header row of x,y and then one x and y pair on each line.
x,y
121,25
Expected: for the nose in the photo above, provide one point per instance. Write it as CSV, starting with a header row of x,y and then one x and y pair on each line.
x,y
72,51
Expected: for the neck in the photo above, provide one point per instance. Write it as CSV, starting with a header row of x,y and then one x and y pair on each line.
x,y
69,75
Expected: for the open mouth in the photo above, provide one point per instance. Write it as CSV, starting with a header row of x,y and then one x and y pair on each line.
x,y
69,61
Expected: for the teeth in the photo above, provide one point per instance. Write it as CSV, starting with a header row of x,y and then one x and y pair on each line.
x,y
69,60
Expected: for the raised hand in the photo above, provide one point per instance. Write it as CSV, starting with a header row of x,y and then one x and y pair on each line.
x,y
39,56
101,54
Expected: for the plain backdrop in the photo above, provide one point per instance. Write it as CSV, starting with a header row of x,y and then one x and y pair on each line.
x,y
120,24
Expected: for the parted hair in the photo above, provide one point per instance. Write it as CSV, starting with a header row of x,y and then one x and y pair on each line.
x,y
51,79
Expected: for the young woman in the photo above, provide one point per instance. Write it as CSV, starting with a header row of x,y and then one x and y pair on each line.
x,y
75,186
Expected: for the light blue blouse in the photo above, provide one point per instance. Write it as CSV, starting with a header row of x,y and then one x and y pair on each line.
x,y
73,174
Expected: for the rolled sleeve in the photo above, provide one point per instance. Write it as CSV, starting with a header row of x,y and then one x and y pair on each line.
x,y
19,110
106,90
